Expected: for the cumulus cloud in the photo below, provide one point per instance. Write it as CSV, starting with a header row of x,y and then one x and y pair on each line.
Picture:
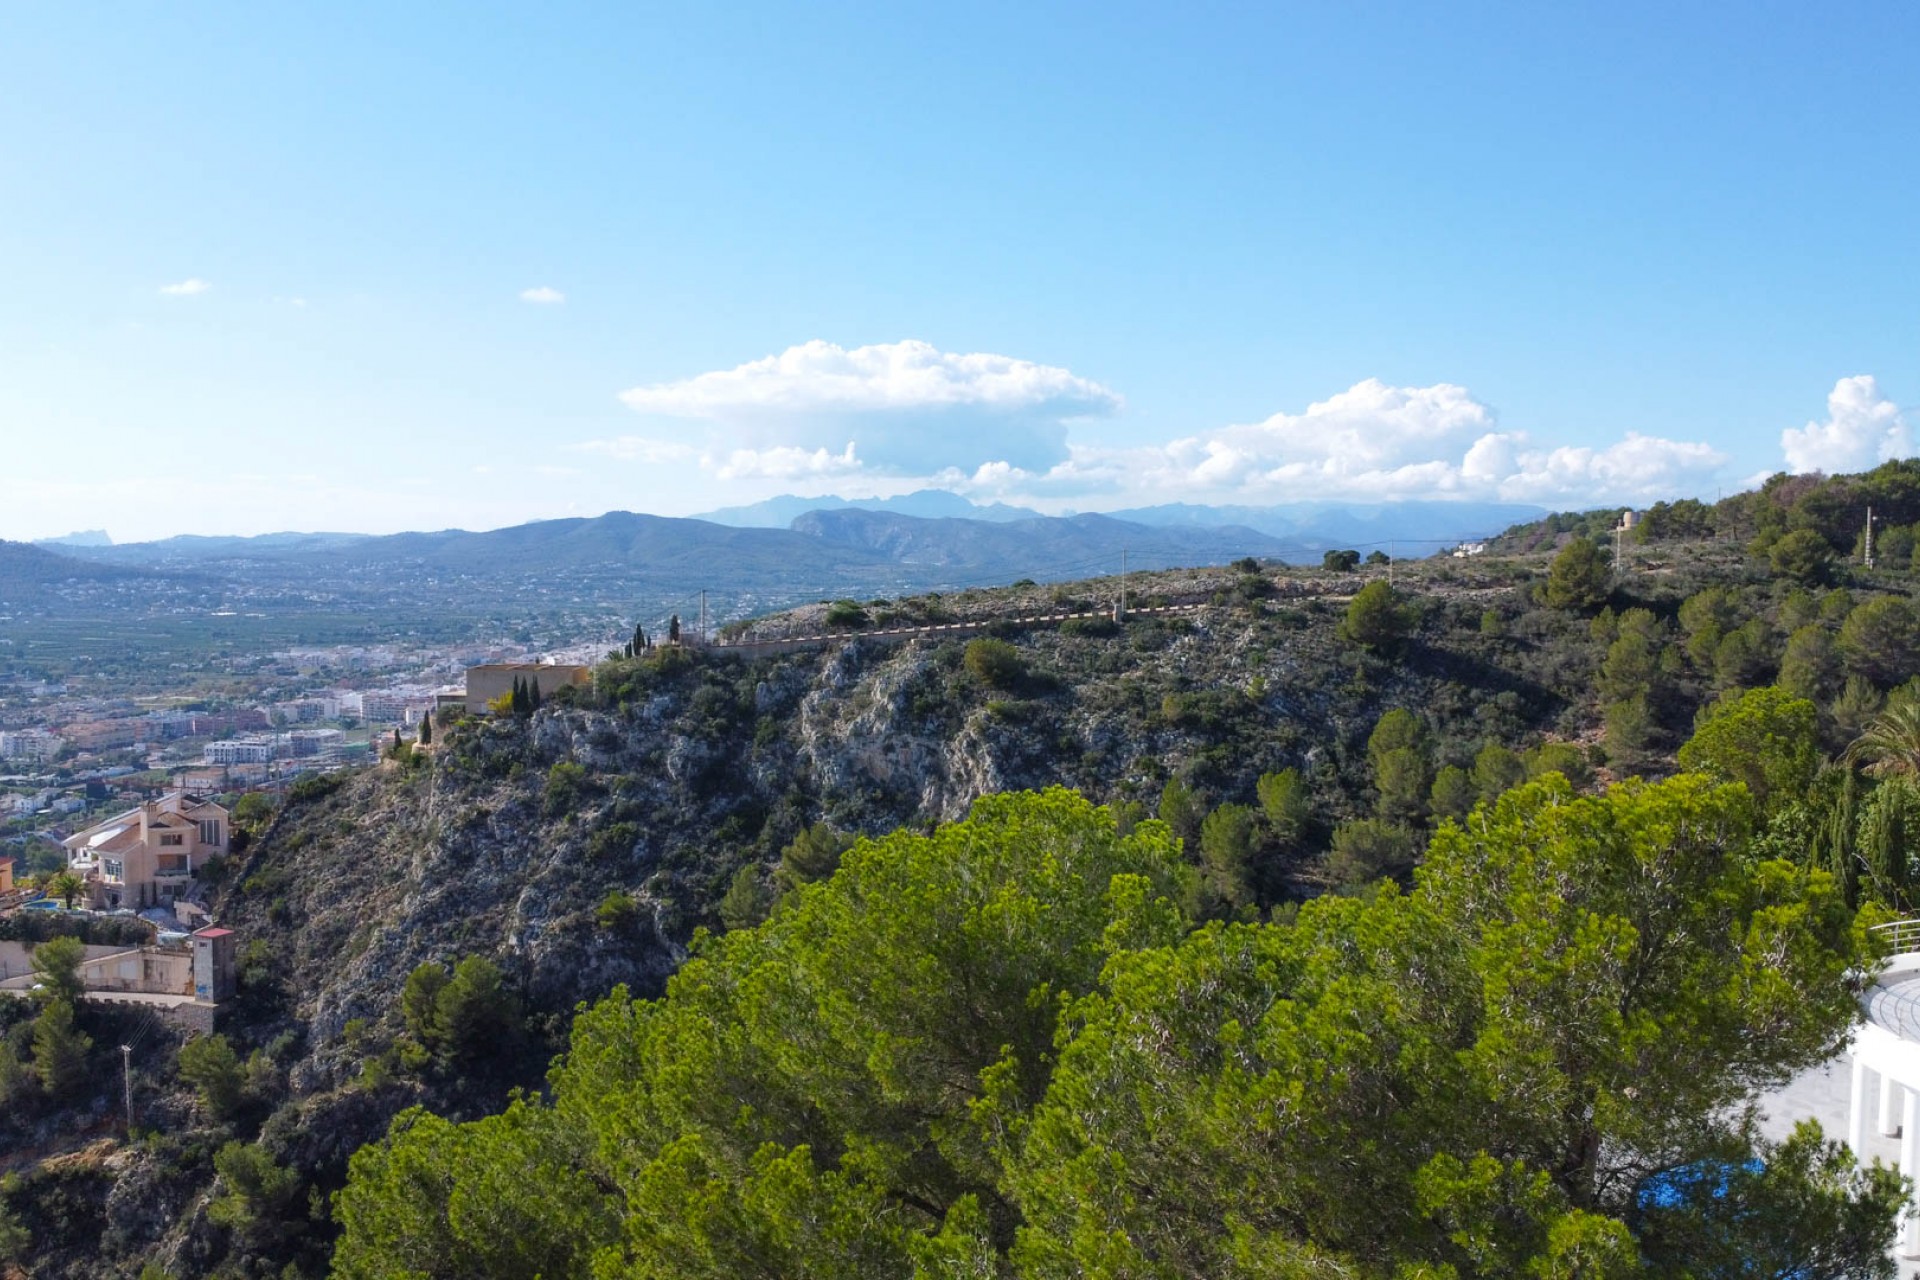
x,y
1379,442
542,295
1638,469
1862,429
996,426
1368,427
908,407
648,449
785,462
186,288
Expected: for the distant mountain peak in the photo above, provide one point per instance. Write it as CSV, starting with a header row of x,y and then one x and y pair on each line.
x,y
79,538
926,504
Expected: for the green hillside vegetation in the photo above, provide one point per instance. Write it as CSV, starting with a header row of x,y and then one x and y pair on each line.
x,y
1285,994
1004,1049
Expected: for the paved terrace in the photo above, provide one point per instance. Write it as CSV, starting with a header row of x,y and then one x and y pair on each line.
x,y
1871,1093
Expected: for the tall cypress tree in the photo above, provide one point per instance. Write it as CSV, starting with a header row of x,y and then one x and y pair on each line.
x,y
533,694
426,729
1834,839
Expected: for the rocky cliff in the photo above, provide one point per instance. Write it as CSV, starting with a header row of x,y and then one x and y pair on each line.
x,y
506,838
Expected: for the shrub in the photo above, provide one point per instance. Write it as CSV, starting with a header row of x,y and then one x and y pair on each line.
x,y
614,841
617,911
994,663
846,613
567,783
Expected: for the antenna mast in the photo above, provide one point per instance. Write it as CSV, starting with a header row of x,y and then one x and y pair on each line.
x,y
1869,537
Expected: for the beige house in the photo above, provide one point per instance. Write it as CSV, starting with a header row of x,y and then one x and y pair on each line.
x,y
184,981
143,857
493,679
6,875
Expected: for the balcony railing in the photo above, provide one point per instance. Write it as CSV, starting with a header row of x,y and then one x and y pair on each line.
x,y
1900,937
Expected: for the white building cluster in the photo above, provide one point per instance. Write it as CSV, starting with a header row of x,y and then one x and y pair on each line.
x,y
29,744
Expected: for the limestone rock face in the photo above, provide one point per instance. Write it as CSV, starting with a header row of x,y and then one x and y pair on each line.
x,y
505,841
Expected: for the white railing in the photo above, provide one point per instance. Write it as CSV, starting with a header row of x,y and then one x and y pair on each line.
x,y
1901,937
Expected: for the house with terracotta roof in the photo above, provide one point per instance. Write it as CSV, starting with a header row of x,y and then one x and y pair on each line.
x,y
147,855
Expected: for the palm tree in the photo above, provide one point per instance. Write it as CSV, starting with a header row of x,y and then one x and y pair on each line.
x,y
66,886
1890,745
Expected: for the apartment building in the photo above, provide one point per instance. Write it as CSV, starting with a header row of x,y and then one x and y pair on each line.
x,y
29,744
238,751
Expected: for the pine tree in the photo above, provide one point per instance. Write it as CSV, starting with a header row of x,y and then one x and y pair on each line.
x,y
673,629
60,1050
639,640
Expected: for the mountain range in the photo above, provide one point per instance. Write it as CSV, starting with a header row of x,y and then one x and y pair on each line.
x,y
917,542
1315,526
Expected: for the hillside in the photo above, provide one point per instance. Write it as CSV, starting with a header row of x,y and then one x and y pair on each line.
x,y
582,847
29,573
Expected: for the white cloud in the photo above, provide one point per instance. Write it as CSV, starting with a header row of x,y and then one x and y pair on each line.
x,y
993,425
1863,428
1367,427
543,295
1373,442
1638,469
785,462
908,407
1380,442
648,449
186,288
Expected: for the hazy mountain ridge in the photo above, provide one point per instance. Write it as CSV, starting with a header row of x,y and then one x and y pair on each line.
x,y
1037,548
929,504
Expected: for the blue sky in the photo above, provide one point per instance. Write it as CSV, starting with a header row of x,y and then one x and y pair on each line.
x,y
355,268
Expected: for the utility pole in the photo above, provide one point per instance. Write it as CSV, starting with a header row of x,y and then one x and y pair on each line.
x,y
703,619
126,1069
1869,537
1619,531
1120,610
1393,553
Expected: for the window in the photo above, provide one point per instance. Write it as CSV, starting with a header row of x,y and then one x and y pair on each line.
x,y
170,838
210,832
113,868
